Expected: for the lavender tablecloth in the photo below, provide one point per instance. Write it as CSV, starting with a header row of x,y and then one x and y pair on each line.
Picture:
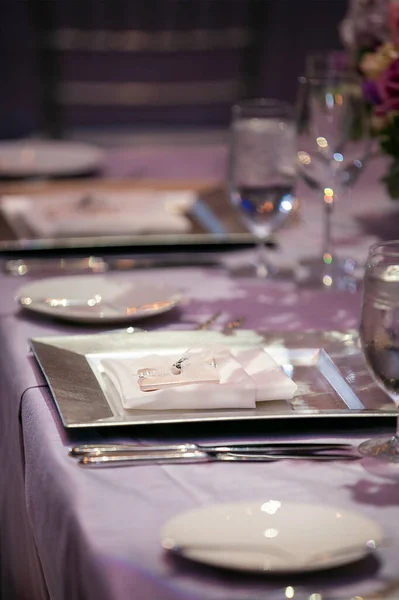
x,y
69,533
95,534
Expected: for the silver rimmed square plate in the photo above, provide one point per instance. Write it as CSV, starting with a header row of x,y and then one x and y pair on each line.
x,y
328,367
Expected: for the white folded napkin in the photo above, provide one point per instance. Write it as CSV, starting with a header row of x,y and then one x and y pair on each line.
x,y
246,377
103,213
271,383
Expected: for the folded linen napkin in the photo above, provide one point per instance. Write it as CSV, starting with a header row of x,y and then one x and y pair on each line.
x,y
245,377
103,213
271,383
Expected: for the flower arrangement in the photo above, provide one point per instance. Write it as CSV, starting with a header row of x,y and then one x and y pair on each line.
x,y
370,31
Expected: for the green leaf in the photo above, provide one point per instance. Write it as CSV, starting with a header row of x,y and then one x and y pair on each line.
x,y
390,146
389,137
391,180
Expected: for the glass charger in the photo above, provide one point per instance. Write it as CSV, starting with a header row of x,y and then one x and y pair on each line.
x,y
212,223
328,368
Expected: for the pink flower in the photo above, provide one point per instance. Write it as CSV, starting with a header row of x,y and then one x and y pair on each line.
x,y
394,21
365,24
388,87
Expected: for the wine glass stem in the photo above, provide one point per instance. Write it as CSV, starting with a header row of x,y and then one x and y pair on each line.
x,y
328,246
328,239
263,267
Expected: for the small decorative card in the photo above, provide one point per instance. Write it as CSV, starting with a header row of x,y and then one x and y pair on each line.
x,y
188,369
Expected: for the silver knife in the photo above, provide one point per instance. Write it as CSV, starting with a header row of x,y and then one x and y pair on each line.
x,y
197,456
247,447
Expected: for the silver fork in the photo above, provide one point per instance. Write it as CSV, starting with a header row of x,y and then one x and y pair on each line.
x,y
231,326
208,322
228,329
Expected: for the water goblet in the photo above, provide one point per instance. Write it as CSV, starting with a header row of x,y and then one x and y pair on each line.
x,y
379,335
262,170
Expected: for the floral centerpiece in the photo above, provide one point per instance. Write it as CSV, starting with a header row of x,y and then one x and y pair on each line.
x,y
370,31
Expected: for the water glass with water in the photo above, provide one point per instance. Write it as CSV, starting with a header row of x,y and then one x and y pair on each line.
x,y
262,169
379,335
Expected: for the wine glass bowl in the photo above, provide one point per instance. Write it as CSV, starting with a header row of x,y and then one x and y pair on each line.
x,y
264,210
379,334
262,169
338,143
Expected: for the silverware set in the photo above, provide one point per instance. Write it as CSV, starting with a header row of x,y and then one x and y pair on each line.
x,y
96,264
134,454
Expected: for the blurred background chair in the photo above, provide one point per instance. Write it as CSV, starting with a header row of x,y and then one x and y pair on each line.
x,y
138,65
20,84
146,64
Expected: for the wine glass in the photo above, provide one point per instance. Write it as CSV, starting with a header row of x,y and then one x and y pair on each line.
x,y
335,146
379,335
262,169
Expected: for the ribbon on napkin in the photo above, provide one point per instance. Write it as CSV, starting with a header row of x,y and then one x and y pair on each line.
x,y
245,377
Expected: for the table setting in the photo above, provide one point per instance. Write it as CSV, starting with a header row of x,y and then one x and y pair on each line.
x,y
199,375
310,466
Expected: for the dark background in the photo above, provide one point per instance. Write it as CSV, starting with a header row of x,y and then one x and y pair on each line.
x,y
36,71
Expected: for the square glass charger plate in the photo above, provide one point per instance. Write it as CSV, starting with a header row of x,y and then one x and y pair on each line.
x,y
213,223
328,368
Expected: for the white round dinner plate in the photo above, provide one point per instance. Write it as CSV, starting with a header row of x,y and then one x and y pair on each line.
x,y
272,536
108,298
40,158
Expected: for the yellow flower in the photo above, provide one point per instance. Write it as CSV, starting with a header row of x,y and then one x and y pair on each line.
x,y
375,63
378,123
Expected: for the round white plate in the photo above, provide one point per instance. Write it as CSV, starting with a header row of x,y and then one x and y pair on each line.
x,y
108,298
40,158
272,536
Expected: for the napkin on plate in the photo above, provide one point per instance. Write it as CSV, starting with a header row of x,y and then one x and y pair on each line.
x,y
245,377
102,213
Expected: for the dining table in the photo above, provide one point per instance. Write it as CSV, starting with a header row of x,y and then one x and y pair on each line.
x,y
69,532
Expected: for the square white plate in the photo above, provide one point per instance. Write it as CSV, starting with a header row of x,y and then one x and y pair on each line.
x,y
328,367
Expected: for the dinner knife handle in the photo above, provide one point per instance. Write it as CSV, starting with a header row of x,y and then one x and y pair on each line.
x,y
143,458
84,449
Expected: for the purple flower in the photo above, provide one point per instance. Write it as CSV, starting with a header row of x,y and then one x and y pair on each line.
x,y
370,92
388,88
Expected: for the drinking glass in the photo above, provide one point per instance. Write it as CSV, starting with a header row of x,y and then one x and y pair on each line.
x,y
335,146
379,335
262,169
